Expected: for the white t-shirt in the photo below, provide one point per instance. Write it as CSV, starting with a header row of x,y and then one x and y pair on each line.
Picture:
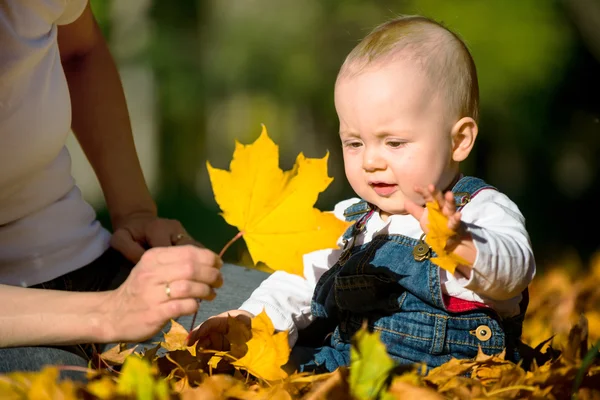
x,y
503,268
46,228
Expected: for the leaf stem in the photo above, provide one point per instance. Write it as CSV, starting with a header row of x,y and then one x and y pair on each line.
x,y
509,388
236,237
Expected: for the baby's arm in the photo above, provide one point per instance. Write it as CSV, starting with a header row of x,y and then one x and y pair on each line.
x,y
285,297
491,237
504,263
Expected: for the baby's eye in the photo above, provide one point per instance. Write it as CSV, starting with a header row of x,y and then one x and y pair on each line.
x,y
395,143
352,145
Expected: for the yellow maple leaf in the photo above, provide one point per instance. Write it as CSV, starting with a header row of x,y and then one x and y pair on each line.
x,y
437,238
267,350
176,339
274,209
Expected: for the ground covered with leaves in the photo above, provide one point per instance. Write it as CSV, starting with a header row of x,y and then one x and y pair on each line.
x,y
562,327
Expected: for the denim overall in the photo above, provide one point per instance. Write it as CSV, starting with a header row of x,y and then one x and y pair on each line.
x,y
380,282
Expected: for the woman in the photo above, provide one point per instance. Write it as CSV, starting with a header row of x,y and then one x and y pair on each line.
x,y
63,279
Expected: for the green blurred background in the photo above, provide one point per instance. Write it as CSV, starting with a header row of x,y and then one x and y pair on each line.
x,y
199,74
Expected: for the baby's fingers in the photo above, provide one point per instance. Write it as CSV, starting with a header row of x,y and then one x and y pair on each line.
x,y
214,324
454,221
449,207
436,195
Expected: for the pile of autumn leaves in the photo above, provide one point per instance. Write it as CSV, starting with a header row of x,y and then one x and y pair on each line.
x,y
274,212
560,327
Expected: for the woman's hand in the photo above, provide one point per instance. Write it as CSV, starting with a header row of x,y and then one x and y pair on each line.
x,y
135,233
164,285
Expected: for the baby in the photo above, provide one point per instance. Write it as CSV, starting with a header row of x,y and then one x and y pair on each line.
x,y
407,99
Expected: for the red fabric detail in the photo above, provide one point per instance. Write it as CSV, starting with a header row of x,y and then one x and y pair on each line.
x,y
454,304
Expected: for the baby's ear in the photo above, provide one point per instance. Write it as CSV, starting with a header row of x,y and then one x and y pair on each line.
x,y
464,133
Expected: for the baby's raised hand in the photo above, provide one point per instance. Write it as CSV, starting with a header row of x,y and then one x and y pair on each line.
x,y
461,243
445,202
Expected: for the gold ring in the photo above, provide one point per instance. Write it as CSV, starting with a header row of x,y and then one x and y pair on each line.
x,y
178,237
168,290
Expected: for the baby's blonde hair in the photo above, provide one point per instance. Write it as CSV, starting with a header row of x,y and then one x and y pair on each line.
x,y
442,54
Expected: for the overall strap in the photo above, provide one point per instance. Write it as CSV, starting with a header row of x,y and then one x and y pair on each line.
x,y
466,188
358,213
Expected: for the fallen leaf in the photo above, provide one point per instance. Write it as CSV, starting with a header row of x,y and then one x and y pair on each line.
x,y
103,388
238,334
274,209
448,371
370,365
267,350
215,387
42,385
489,369
402,389
437,238
176,339
138,378
335,387
115,355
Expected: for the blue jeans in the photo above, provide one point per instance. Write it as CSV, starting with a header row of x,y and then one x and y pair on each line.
x,y
106,273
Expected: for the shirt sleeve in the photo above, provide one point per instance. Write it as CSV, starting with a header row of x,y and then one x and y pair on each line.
x,y
285,297
504,265
73,10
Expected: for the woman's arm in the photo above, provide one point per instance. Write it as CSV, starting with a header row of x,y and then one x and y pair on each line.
x,y
51,317
101,124
100,117
135,311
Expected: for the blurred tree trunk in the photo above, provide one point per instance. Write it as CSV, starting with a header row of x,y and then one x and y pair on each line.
x,y
177,59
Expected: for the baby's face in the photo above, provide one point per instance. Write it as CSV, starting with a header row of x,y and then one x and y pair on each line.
x,y
395,134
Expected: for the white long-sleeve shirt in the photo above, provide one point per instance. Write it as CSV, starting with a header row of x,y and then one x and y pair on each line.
x,y
503,268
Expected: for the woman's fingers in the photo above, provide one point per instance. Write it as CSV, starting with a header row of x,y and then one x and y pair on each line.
x,y
174,309
184,289
123,241
188,263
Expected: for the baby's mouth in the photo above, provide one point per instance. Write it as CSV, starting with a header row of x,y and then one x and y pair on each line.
x,y
383,189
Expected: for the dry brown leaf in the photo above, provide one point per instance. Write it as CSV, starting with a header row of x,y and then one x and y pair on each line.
x,y
450,370
238,335
116,356
334,388
404,390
